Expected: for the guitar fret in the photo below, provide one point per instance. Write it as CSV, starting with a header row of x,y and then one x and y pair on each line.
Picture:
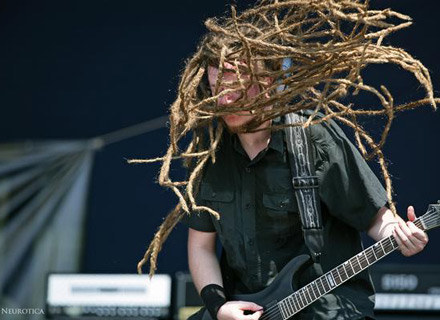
x,y
287,308
321,284
366,256
290,304
394,243
381,245
295,298
356,258
330,280
343,267
390,240
317,287
352,269
308,292
378,249
364,260
349,268
295,305
353,266
300,299
359,262
303,296
324,283
389,245
339,275
374,253
301,303
313,291
283,314
303,292
292,301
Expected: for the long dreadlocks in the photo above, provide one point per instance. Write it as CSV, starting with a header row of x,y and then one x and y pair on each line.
x,y
329,43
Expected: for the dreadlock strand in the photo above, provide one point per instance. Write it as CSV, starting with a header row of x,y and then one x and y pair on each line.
x,y
329,44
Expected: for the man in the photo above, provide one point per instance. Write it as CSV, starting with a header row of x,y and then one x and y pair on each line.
x,y
238,184
246,184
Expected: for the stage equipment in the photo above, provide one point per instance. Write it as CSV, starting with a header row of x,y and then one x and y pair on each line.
x,y
116,296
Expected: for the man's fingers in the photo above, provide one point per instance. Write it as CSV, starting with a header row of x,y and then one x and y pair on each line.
x,y
256,315
420,236
408,236
405,229
246,305
402,239
411,213
402,246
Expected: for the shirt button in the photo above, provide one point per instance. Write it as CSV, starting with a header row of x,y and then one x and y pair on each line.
x,y
248,170
247,205
283,203
214,194
251,242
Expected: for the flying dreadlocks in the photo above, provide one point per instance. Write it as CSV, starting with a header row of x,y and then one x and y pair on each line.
x,y
328,42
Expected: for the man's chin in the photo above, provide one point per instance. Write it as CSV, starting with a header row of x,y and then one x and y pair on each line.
x,y
234,127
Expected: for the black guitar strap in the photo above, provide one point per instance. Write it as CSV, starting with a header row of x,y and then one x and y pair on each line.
x,y
305,184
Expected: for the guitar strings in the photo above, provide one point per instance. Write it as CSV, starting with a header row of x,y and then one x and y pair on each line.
x,y
275,309
431,219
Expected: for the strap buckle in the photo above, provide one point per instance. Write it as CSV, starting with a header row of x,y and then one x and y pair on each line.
x,y
305,182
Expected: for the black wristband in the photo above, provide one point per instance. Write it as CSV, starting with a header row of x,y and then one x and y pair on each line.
x,y
213,297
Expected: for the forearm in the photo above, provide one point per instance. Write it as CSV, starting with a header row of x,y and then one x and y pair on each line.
x,y
203,262
205,270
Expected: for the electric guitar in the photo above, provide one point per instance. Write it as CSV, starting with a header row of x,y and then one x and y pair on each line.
x,y
281,300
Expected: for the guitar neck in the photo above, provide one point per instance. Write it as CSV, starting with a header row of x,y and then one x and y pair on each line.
x,y
338,275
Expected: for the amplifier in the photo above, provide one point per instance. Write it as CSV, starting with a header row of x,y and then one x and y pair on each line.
x,y
118,296
186,299
406,288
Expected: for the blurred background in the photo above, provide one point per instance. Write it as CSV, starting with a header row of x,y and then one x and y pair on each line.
x,y
74,71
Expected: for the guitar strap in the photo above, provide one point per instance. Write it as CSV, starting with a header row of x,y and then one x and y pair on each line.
x,y
305,183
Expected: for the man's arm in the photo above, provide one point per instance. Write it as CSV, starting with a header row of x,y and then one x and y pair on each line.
x,y
410,238
205,271
202,259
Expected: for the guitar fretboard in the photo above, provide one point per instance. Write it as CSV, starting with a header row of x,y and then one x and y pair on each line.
x,y
338,275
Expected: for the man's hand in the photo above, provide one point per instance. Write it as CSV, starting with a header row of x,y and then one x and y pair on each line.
x,y
409,237
234,310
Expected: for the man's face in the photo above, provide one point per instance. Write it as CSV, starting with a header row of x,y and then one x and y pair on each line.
x,y
239,119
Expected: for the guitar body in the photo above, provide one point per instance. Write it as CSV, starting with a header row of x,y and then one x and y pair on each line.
x,y
283,285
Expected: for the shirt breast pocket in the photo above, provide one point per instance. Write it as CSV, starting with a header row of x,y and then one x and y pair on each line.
x,y
220,200
281,213
278,203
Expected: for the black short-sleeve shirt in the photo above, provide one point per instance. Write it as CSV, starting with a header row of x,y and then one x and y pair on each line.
x,y
260,227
